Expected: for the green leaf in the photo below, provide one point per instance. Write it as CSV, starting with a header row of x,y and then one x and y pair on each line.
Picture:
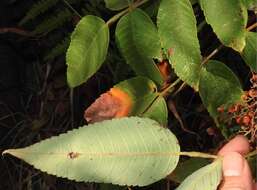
x,y
128,151
228,20
186,168
177,29
145,98
218,86
252,161
250,50
87,50
133,97
116,5
250,4
138,40
205,178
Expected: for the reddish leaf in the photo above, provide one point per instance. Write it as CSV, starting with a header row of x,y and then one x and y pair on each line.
x,y
113,104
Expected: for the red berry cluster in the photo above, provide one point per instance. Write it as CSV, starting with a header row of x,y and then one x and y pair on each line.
x,y
243,114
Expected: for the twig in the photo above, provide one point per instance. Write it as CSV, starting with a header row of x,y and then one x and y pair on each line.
x,y
251,27
16,31
117,16
68,5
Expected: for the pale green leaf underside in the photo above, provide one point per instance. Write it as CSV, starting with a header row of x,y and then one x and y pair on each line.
x,y
127,151
116,5
250,51
138,40
228,19
206,178
146,100
218,86
177,29
87,50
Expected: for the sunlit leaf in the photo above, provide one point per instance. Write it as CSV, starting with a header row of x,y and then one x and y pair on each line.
x,y
218,86
133,97
250,51
228,20
87,50
205,178
177,30
127,151
138,40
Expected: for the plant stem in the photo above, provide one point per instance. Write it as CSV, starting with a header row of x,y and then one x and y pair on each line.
x,y
251,27
120,14
198,154
68,5
169,87
214,52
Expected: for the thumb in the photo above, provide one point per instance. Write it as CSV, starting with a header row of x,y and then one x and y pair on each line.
x,y
236,173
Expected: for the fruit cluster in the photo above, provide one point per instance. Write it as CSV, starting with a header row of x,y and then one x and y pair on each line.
x,y
243,114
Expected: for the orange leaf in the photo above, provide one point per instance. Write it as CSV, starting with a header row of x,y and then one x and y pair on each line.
x,y
165,69
113,104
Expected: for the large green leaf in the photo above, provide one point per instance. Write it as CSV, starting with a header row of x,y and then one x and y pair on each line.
x,y
138,40
177,29
206,178
116,5
128,151
218,86
228,19
250,50
87,50
133,97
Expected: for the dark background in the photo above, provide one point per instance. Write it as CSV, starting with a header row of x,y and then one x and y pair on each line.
x,y
36,103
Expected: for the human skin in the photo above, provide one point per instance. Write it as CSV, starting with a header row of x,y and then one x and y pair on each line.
x,y
236,171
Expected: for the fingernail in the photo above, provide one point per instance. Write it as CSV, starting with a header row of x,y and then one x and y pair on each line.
x,y
233,164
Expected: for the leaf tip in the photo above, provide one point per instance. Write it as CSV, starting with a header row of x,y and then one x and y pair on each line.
x,y
8,151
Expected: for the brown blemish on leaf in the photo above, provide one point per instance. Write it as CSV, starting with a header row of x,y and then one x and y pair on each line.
x,y
113,104
165,69
73,155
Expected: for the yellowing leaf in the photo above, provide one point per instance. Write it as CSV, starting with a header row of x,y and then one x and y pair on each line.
x,y
113,104
133,97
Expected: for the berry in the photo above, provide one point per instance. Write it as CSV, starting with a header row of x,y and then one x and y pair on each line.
x,y
246,120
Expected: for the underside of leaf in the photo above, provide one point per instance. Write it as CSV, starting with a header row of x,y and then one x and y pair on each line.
x,y
127,151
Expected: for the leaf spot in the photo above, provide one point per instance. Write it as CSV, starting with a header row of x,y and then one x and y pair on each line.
x,y
73,155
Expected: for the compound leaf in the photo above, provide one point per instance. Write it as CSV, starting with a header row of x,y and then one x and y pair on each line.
x,y
127,151
138,40
228,20
218,86
177,29
87,50
205,178
250,50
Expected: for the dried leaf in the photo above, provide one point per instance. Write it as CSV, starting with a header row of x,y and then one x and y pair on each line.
x,y
113,104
